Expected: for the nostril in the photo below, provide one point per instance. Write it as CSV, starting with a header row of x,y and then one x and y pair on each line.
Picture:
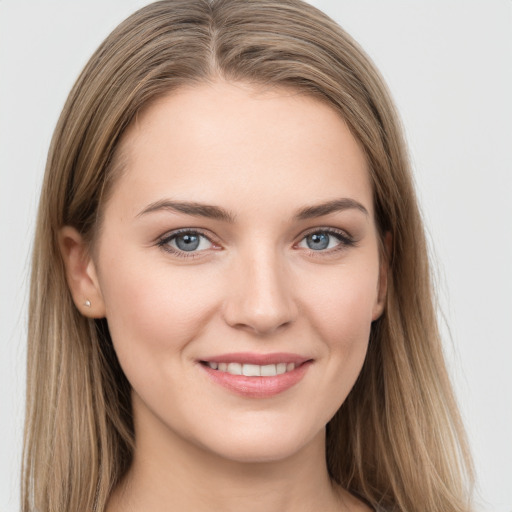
x,y
260,298
262,327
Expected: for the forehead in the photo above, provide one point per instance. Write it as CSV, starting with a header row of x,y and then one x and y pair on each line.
x,y
239,145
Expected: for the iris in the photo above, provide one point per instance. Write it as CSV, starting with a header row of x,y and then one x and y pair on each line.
x,y
187,242
318,241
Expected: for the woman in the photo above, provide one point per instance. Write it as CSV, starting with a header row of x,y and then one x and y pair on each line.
x,y
231,302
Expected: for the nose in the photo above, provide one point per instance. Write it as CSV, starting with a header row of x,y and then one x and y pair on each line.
x,y
260,296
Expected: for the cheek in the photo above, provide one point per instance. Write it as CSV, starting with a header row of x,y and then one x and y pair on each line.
x,y
337,311
341,304
153,309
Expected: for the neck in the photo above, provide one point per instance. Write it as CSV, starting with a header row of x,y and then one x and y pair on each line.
x,y
179,475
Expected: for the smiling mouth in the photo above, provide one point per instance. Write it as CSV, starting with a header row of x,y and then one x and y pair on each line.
x,y
256,375
251,370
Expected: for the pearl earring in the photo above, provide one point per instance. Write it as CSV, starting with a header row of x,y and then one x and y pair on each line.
x,y
87,303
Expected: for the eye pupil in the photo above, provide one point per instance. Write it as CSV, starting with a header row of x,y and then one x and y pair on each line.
x,y
317,241
187,242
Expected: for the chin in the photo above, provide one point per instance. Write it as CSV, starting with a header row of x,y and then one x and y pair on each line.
x,y
265,444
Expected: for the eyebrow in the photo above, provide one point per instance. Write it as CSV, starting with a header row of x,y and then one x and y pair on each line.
x,y
190,208
216,212
336,205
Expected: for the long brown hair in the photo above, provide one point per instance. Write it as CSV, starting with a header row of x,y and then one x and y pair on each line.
x,y
397,441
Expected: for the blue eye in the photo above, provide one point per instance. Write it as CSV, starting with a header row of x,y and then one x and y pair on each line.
x,y
324,240
318,241
185,242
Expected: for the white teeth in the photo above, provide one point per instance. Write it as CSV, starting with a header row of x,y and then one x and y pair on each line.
x,y
235,368
281,368
268,370
253,370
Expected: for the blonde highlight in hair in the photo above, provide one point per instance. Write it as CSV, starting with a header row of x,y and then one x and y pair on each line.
x,y
397,441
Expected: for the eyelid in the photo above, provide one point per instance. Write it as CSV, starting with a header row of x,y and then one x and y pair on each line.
x,y
327,229
163,242
345,238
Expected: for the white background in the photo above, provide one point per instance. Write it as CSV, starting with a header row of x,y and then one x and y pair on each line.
x,y
449,66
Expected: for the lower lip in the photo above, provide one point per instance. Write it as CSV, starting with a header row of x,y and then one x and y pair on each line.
x,y
258,387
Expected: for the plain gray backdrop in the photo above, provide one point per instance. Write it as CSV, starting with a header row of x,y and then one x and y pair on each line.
x,y
449,66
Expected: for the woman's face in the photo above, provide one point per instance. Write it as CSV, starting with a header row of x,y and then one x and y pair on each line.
x,y
239,239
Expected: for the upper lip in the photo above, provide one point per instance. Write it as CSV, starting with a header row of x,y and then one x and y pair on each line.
x,y
258,359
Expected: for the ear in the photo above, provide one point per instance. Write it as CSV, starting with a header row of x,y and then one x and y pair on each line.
x,y
81,273
382,286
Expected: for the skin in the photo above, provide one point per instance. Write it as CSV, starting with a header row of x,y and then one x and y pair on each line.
x,y
253,285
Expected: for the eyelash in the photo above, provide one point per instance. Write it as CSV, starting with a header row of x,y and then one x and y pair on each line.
x,y
163,243
346,241
344,238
